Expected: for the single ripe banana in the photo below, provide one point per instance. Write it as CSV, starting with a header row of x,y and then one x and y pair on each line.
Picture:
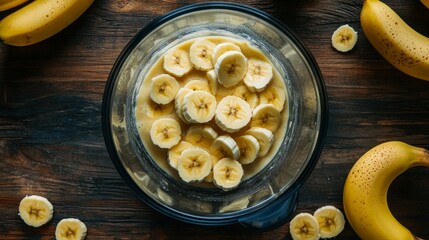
x,y
70,229
200,54
365,189
266,116
178,102
230,68
40,20
222,48
198,85
304,226
227,173
259,74
395,40
344,38
165,132
225,147
273,95
232,114
244,93
201,136
265,138
331,221
35,210
212,80
155,110
177,62
194,165
8,4
163,89
249,148
199,107
175,152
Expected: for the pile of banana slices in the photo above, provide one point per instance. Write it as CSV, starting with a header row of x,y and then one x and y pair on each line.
x,y
228,118
36,211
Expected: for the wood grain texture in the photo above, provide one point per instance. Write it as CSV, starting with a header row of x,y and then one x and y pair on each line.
x,y
51,141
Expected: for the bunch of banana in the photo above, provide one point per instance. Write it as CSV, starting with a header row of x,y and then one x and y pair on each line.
x,y
36,211
395,40
365,189
326,222
38,20
228,117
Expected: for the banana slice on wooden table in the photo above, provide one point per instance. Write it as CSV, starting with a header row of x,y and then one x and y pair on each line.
x,y
266,116
344,38
227,173
177,62
165,132
232,114
201,135
230,68
163,88
35,210
244,93
194,165
331,221
258,75
225,147
199,107
273,95
222,48
200,54
70,229
265,138
249,148
304,226
175,152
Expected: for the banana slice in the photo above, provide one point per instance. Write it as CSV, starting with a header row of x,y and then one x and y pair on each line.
x,y
331,221
259,74
163,88
222,48
227,173
165,132
230,68
70,229
244,93
304,227
201,54
265,138
273,95
35,210
209,177
344,38
232,114
155,110
178,102
175,152
266,116
212,80
198,85
225,147
194,165
249,148
199,107
177,63
201,136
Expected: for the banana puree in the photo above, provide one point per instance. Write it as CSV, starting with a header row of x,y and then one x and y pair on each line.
x,y
147,111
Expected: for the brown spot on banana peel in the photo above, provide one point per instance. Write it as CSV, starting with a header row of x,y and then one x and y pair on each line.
x,y
396,41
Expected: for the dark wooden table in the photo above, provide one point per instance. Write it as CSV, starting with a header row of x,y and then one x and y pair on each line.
x,y
51,143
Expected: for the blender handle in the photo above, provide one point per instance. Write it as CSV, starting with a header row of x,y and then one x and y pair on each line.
x,y
272,215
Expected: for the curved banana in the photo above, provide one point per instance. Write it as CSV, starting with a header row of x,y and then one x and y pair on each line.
x,y
8,4
365,189
40,20
395,40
